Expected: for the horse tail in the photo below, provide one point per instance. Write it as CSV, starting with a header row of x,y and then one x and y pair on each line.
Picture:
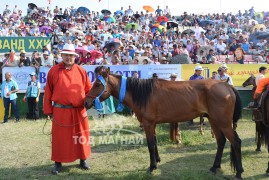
x,y
237,109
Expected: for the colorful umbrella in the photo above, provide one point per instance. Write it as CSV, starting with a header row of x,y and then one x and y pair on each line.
x,y
119,12
259,26
116,43
45,29
148,8
74,31
109,19
171,24
95,53
162,19
106,36
82,50
161,28
129,26
106,12
83,10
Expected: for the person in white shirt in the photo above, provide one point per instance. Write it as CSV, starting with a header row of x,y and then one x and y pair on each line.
x,y
262,71
46,60
221,48
222,76
167,10
130,12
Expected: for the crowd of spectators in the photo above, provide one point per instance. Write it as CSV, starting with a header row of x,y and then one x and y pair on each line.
x,y
131,37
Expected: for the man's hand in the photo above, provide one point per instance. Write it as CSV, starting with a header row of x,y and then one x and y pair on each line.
x,y
8,94
36,100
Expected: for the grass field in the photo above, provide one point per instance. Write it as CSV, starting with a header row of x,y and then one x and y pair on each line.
x,y
119,151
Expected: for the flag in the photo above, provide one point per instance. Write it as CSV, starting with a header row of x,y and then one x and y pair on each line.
x,y
49,1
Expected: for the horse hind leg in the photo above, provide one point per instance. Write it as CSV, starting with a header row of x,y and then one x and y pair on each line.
x,y
150,131
236,155
221,140
258,136
158,159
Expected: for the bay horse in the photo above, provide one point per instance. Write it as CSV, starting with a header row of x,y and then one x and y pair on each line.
x,y
256,115
162,101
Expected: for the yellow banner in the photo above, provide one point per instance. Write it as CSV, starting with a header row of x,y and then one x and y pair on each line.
x,y
238,72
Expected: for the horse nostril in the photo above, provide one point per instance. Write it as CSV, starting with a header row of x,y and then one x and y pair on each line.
x,y
86,104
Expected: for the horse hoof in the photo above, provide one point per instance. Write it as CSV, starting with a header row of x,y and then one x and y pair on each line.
x,y
213,170
238,176
258,150
151,169
267,172
158,159
179,142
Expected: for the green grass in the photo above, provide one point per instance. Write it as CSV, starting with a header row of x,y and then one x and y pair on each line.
x,y
25,153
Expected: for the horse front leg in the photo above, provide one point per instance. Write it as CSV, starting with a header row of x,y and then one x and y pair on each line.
x,y
201,127
178,133
149,130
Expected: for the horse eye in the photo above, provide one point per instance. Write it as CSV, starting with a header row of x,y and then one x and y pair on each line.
x,y
97,84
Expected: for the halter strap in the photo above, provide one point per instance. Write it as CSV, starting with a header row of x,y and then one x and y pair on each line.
x,y
98,105
122,93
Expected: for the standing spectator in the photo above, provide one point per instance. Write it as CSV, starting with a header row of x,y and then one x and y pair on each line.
x,y
69,114
197,75
9,96
262,71
32,96
158,11
222,76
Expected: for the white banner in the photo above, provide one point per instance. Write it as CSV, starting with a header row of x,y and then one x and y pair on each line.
x,y
21,75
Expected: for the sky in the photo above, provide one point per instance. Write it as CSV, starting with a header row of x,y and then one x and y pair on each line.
x,y
177,7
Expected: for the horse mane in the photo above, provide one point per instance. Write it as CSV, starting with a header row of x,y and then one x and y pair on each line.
x,y
140,90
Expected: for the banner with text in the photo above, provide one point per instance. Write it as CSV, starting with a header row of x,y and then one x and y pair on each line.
x,y
29,44
21,75
238,72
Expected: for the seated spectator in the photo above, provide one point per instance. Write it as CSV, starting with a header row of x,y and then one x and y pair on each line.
x,y
245,46
24,61
210,55
46,60
239,54
214,60
221,48
261,58
204,61
35,59
10,60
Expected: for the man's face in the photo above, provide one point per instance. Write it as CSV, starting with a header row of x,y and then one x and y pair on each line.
x,y
8,76
198,72
263,72
68,59
45,56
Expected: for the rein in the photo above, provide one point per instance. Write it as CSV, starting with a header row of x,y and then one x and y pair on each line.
x,y
98,105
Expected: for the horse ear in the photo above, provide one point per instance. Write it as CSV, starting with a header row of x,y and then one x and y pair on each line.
x,y
108,71
252,75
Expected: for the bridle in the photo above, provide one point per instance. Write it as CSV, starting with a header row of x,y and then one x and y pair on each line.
x,y
97,102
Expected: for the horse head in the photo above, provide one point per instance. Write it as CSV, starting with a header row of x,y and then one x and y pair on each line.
x,y
101,89
250,81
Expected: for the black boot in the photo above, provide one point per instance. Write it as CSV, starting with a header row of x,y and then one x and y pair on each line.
x,y
253,105
84,165
57,168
